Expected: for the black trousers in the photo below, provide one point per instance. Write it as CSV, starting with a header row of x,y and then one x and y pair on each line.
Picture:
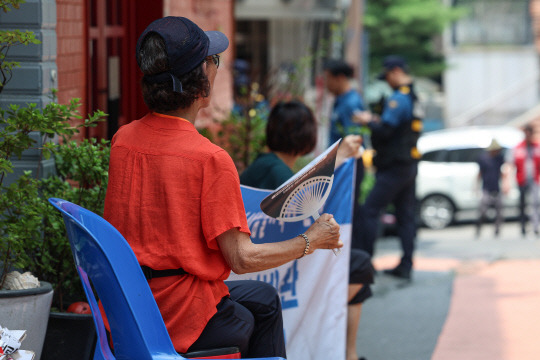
x,y
250,319
531,190
361,271
393,185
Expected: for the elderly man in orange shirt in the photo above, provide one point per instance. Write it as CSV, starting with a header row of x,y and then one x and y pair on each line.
x,y
176,198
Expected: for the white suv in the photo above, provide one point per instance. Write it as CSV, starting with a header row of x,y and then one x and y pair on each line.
x,y
447,186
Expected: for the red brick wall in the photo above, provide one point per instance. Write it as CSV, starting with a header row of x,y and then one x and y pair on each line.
x,y
211,15
71,51
72,48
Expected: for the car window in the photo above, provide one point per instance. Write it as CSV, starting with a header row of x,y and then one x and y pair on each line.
x,y
464,155
435,156
455,155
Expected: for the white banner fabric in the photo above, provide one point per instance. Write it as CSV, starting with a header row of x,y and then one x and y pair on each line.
x,y
313,289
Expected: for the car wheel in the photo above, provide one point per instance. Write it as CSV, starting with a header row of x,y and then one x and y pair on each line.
x,y
437,211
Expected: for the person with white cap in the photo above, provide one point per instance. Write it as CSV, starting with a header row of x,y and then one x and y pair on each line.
x,y
491,173
176,198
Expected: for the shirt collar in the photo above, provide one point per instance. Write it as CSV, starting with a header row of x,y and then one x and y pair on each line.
x,y
163,121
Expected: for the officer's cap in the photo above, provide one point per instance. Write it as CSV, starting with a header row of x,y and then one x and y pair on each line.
x,y
391,62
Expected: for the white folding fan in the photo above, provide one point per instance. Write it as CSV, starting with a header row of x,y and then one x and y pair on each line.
x,y
304,194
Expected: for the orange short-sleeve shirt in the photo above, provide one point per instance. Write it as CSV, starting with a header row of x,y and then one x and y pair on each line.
x,y
171,192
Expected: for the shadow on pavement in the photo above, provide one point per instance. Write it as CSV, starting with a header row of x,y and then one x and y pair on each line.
x,y
403,319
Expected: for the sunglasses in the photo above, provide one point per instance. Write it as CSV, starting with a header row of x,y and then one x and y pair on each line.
x,y
214,58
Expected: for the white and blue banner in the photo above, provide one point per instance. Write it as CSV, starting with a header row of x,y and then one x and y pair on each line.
x,y
313,289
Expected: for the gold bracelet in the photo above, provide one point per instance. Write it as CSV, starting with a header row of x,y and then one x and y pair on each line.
x,y
306,250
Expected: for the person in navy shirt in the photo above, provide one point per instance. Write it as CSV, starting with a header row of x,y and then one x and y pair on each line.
x,y
338,75
393,137
347,102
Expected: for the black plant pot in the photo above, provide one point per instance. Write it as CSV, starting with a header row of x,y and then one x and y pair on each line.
x,y
69,336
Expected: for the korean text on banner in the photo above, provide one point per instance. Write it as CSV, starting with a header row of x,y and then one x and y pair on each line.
x,y
313,289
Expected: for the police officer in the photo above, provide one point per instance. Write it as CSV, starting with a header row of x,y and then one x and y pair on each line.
x,y
393,136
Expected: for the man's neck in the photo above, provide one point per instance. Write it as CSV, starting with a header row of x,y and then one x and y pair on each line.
x,y
346,87
189,113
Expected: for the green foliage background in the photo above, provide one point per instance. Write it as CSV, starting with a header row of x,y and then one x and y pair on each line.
x,y
407,28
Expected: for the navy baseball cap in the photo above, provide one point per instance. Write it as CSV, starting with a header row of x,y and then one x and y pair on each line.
x,y
186,44
391,62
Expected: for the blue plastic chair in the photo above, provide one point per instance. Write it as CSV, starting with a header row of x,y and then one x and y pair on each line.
x,y
104,257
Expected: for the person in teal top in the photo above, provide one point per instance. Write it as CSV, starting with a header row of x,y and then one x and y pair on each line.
x,y
268,171
291,132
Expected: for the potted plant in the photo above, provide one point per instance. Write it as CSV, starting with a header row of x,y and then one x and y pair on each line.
x,y
32,233
19,309
82,174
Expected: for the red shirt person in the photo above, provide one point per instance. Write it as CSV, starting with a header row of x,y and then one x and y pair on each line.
x,y
176,199
527,163
146,158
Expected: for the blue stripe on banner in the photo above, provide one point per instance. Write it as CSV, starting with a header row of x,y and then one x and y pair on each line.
x,y
339,202
266,229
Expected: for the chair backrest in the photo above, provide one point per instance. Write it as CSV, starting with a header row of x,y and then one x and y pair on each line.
x,y
104,258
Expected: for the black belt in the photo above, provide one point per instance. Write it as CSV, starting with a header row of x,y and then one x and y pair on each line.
x,y
150,273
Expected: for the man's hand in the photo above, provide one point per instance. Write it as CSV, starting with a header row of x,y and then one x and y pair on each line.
x,y
362,117
349,147
324,233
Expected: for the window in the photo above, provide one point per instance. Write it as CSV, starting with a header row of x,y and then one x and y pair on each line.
x,y
493,22
464,155
435,156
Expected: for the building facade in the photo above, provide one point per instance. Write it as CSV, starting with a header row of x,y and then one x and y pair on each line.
x,y
88,52
493,74
283,44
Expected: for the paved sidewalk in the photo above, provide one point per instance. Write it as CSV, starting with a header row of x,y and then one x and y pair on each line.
x,y
494,314
480,302
403,320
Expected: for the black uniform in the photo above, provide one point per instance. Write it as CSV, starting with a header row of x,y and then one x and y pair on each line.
x,y
396,159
